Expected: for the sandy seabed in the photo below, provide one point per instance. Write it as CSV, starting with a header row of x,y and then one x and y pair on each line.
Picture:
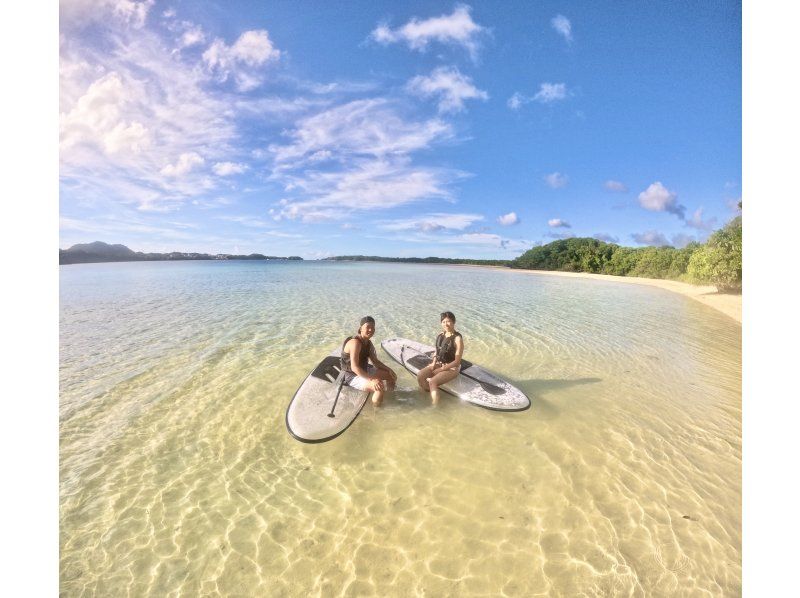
x,y
728,304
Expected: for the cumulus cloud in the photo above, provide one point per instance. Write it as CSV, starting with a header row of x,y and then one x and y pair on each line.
x,y
558,223
449,85
658,198
228,168
551,92
562,25
650,237
128,110
251,50
185,164
508,219
605,237
556,180
457,28
560,235
615,186
682,240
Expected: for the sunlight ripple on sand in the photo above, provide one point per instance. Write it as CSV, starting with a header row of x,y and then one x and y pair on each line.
x,y
177,475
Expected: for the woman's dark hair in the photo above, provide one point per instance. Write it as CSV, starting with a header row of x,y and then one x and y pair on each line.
x,y
447,314
367,320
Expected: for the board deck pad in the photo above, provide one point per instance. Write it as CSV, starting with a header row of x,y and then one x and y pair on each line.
x,y
307,417
473,384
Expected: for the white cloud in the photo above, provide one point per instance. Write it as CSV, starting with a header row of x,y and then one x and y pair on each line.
x,y
185,164
556,180
253,49
365,185
516,101
454,29
80,13
99,117
658,198
449,85
508,219
192,37
228,168
558,223
650,237
433,222
605,237
561,24
615,186
360,128
560,235
128,108
551,92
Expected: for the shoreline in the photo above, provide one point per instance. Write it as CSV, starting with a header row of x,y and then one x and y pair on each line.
x,y
728,304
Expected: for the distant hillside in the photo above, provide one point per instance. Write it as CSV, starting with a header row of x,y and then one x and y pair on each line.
x,y
88,253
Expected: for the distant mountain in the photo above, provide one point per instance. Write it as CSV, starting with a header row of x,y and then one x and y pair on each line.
x,y
88,253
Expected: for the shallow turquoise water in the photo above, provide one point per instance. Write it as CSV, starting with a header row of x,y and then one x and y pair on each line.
x,y
177,475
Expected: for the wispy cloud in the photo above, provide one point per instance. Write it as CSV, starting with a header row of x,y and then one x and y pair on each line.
x,y
558,223
548,93
696,221
615,186
432,222
357,157
562,25
449,86
556,180
508,219
457,29
658,198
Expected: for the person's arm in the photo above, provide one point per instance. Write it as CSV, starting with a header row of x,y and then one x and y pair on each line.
x,y
354,349
379,364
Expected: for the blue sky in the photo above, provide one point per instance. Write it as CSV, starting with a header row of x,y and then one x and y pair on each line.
x,y
399,129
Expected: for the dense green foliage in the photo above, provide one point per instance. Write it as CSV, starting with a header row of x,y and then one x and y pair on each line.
x,y
577,254
719,261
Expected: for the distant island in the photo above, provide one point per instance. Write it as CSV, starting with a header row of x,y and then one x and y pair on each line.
x,y
718,261
417,260
89,253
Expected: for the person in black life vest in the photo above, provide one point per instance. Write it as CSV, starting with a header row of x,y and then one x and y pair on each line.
x,y
446,361
357,351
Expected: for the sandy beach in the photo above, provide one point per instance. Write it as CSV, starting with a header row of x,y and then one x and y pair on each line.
x,y
728,304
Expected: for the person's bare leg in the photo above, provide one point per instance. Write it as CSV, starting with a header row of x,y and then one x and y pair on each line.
x,y
437,380
422,378
377,398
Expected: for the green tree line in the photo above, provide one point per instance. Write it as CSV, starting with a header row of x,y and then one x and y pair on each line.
x,y
717,262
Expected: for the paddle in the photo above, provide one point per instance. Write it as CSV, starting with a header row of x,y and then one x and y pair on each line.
x,y
488,387
339,382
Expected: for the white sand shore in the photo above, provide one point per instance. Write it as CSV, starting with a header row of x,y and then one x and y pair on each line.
x,y
730,305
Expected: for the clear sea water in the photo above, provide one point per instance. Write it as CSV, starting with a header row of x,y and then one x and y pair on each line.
x,y
178,477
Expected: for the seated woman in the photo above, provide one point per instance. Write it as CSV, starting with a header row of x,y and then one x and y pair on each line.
x,y
446,362
356,351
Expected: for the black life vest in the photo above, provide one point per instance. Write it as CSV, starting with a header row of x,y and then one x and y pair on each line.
x,y
446,347
366,349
